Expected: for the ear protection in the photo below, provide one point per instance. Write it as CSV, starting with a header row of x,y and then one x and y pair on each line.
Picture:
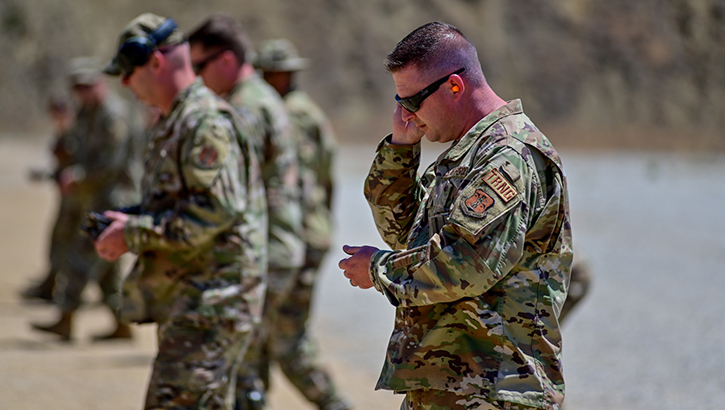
x,y
136,51
455,88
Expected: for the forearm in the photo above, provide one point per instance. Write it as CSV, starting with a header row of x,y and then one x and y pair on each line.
x,y
390,190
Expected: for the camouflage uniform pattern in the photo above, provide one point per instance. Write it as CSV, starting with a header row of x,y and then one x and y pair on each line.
x,y
276,146
427,399
274,140
200,236
480,266
99,147
288,343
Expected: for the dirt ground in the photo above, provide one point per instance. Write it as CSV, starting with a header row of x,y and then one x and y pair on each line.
x,y
647,337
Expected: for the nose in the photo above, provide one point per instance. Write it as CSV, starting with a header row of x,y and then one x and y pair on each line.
x,y
406,115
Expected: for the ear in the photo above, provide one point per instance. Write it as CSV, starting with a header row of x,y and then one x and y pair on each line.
x,y
456,86
229,58
157,61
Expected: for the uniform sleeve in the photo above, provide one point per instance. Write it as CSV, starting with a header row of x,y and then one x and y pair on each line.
x,y
391,189
212,198
480,243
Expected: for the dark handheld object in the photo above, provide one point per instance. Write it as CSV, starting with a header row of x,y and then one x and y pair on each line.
x,y
94,224
41,175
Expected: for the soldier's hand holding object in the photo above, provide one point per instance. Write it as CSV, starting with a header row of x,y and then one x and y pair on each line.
x,y
356,267
111,244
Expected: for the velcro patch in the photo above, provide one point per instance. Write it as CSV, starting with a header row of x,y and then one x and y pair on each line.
x,y
479,202
500,185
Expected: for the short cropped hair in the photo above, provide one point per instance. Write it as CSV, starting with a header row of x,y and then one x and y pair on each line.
x,y
221,31
435,45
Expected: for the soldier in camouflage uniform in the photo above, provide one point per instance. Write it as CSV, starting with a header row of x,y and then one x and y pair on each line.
x,y
288,343
219,51
96,176
481,241
200,229
63,117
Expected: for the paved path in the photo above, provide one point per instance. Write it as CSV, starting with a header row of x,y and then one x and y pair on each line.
x,y
649,336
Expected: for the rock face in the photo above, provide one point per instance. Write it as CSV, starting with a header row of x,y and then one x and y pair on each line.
x,y
645,73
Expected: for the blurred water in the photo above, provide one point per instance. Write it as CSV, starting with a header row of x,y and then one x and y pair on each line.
x,y
648,336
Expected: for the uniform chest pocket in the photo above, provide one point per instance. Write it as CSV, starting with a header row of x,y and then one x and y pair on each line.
x,y
443,198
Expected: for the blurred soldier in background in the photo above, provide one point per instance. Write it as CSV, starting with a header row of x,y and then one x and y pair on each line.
x,y
220,53
288,343
62,114
200,229
94,176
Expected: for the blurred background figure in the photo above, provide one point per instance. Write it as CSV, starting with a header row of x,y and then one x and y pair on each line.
x,y
220,55
99,152
288,343
62,115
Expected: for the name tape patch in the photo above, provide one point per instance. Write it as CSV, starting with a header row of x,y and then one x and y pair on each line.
x,y
500,185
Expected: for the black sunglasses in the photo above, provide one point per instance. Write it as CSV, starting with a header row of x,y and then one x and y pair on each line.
x,y
199,66
412,104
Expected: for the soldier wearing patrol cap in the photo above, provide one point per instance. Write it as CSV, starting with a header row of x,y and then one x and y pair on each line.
x,y
221,55
200,229
481,241
288,343
95,173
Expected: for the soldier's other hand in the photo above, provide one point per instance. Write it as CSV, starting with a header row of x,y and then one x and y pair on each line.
x,y
356,267
67,182
111,244
404,129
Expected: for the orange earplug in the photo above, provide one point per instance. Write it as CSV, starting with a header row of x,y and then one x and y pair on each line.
x,y
455,88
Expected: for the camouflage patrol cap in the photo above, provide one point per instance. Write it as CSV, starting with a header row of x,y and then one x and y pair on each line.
x,y
84,70
279,55
144,27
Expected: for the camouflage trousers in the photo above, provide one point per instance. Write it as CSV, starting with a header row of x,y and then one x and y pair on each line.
x,y
197,363
425,399
78,264
81,266
284,339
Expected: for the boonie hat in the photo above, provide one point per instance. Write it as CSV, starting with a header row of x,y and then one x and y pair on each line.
x,y
84,70
280,55
143,26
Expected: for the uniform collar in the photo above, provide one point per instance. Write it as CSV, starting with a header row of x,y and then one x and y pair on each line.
x,y
464,144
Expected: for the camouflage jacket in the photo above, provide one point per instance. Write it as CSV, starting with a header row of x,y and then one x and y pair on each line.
x,y
481,262
100,145
200,230
274,140
316,154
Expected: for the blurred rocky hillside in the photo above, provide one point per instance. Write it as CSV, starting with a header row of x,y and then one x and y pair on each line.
x,y
642,74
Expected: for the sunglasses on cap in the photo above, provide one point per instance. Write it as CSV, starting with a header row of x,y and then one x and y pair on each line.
x,y
136,51
412,104
199,66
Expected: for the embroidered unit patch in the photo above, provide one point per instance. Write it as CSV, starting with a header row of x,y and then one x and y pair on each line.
x,y
207,157
500,185
479,202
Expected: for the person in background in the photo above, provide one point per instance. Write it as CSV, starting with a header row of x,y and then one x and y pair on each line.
x,y
220,53
199,230
62,114
96,174
288,343
481,246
